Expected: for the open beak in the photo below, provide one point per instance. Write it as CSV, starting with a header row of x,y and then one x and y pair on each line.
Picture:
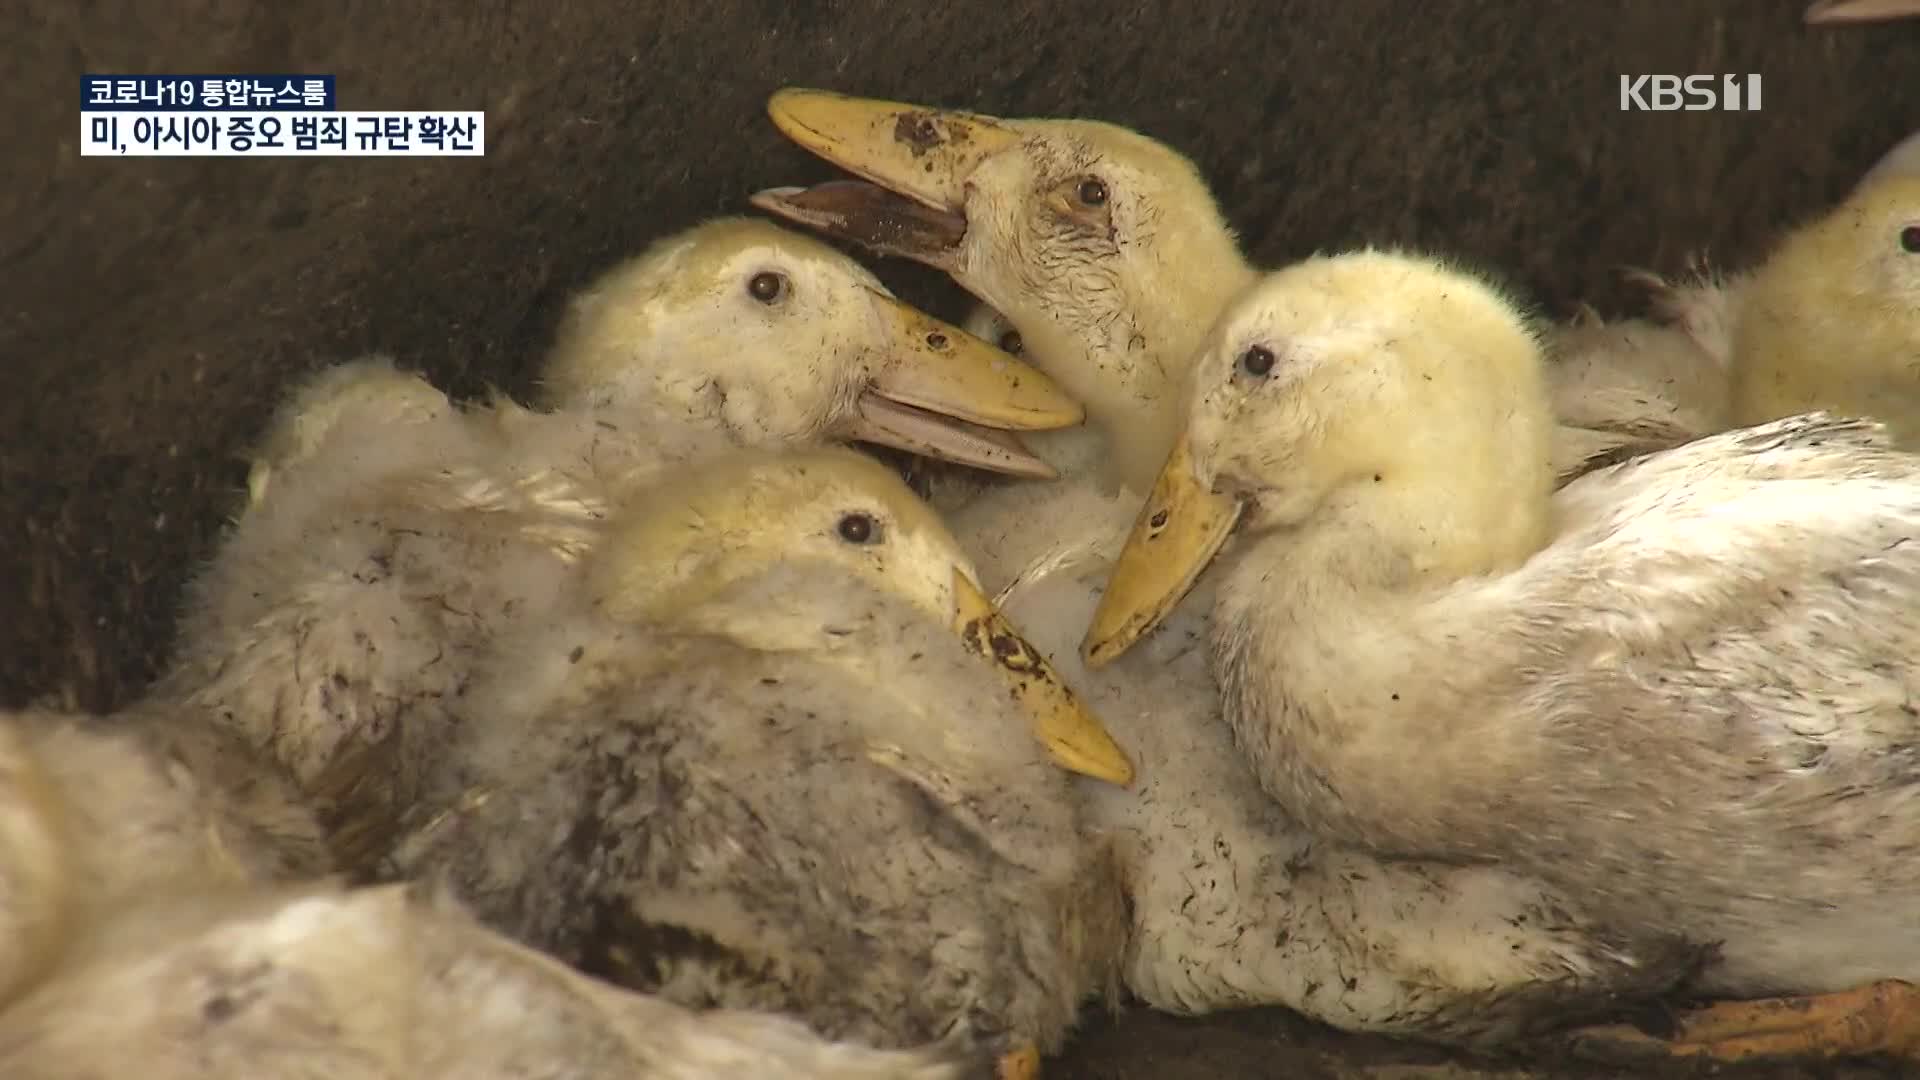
x,y
919,158
1074,737
1180,529
940,392
1838,12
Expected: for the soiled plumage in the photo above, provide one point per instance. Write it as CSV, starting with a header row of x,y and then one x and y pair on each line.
x,y
164,913
1233,904
1679,689
96,812
758,760
1633,386
393,534
312,981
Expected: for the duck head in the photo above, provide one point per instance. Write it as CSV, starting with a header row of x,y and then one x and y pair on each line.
x,y
1385,392
1102,246
779,339
1832,319
693,538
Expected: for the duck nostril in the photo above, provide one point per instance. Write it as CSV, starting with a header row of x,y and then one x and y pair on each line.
x,y
936,340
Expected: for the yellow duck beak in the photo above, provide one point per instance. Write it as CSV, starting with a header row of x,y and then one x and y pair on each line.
x,y
1180,529
920,158
941,392
1074,737
1837,12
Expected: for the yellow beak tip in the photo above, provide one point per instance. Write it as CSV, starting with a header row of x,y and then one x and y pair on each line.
x,y
788,96
1109,765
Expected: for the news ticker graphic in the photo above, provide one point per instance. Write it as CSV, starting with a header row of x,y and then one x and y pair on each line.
x,y
258,116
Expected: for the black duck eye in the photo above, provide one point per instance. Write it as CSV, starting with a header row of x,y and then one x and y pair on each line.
x,y
858,528
1257,361
767,286
1091,192
1010,343
1910,239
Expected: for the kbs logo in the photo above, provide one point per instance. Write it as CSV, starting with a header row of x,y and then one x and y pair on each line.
x,y
1693,93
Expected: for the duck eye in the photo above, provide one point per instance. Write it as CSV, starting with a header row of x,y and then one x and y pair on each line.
x,y
1091,192
1010,343
1257,360
857,528
1910,239
767,286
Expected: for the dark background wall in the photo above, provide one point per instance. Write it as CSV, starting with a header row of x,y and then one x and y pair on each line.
x,y
151,310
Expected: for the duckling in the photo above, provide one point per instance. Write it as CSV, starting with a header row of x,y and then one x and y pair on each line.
x,y
1678,689
1105,252
1831,320
1826,321
1103,246
393,534
313,980
1233,905
756,760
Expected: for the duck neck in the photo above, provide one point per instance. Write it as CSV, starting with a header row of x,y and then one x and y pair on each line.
x,y
1130,367
1347,647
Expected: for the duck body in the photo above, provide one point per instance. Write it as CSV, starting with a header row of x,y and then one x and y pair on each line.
x,y
1692,710
351,602
1634,386
314,981
97,813
1673,689
784,789
1235,905
165,912
729,841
